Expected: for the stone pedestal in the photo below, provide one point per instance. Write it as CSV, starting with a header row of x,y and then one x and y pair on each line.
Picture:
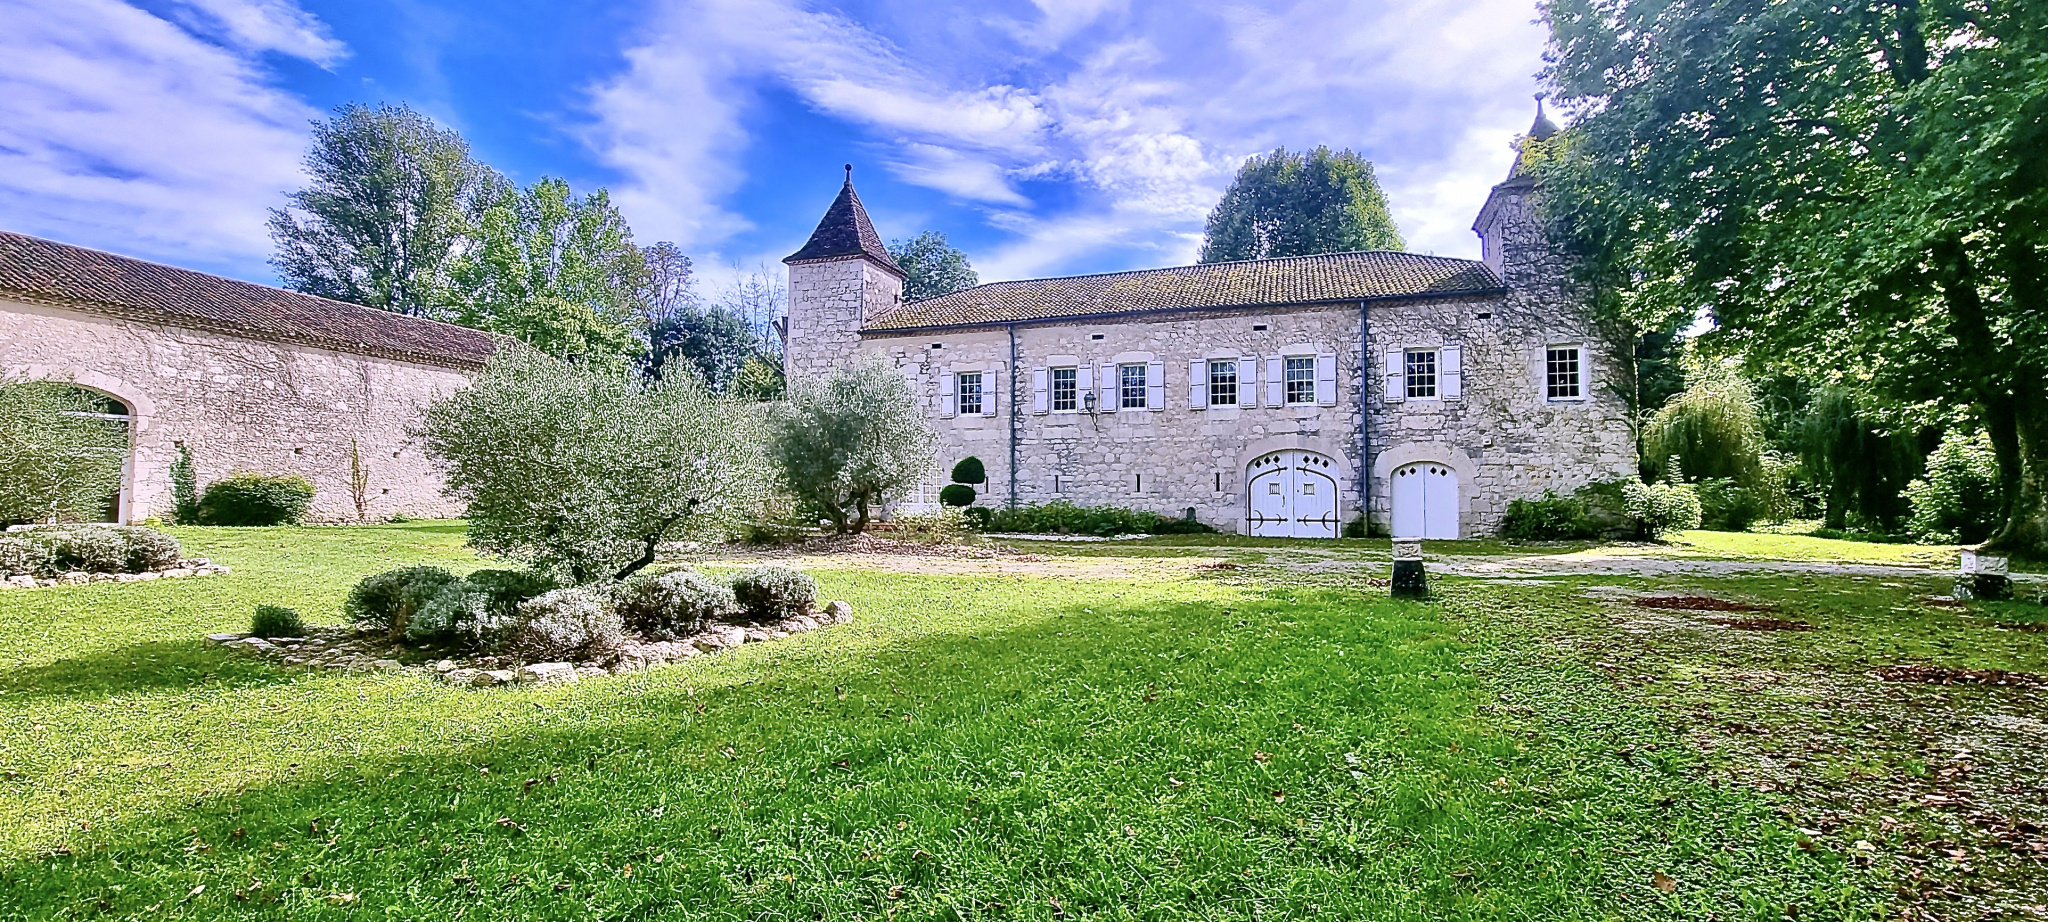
x,y
1410,580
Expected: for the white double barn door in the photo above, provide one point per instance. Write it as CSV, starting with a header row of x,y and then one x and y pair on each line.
x,y
1293,494
1425,501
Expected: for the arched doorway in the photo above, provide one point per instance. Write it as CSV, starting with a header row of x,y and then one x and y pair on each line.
x,y
1425,501
1292,493
98,405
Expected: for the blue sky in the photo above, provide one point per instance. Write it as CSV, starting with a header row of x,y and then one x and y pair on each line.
x,y
1044,137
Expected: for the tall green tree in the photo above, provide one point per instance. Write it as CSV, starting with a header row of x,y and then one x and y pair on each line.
x,y
934,266
1294,204
1860,187
557,272
710,342
386,213
846,443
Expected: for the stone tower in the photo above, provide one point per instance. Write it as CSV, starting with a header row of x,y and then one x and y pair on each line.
x,y
1511,234
840,279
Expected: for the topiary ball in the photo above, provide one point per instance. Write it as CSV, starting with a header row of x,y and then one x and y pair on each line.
x,y
276,621
957,494
969,471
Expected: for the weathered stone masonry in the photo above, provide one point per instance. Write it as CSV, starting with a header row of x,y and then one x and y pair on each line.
x,y
253,395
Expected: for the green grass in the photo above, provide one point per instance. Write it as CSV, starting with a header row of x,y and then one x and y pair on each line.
x,y
1041,747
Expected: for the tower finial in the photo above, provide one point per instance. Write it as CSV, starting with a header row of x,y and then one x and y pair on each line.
x,y
1543,128
849,174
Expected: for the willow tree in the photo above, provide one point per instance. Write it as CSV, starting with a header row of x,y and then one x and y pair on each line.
x,y
1858,187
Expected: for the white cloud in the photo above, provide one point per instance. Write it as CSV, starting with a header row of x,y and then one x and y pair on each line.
x,y
270,25
121,130
1141,108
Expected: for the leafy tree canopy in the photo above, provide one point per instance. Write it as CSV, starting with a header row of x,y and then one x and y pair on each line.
x,y
847,442
935,267
568,467
391,198
557,272
1294,204
1858,188
712,343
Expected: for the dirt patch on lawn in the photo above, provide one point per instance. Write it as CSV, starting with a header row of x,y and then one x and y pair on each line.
x,y
1949,675
1694,603
1761,624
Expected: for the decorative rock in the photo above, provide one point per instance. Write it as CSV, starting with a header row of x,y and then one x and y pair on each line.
x,y
756,635
547,673
494,677
799,623
147,575
223,638
75,578
177,573
444,666
460,676
838,613
22,582
386,665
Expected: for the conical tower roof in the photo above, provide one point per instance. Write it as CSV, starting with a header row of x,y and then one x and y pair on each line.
x,y
844,232
1542,130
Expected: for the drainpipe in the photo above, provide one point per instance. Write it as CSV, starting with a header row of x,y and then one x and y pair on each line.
x,y
1365,365
1015,421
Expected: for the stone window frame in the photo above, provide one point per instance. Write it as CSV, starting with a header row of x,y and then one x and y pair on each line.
x,y
1217,396
1130,391
1420,383
1548,373
1298,381
971,395
1072,390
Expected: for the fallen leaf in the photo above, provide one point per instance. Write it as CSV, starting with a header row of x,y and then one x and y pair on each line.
x,y
1262,757
1663,882
1279,796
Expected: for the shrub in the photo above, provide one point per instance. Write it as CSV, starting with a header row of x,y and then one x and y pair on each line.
x,y
184,488
1549,518
475,611
978,517
771,593
578,469
943,525
276,621
970,471
1662,508
246,498
1726,505
1356,528
956,494
673,605
23,557
565,624
149,549
1606,505
387,601
1169,525
1959,500
92,548
1060,517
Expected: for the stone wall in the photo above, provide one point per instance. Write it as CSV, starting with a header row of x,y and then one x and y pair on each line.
x,y
828,303
242,404
1503,436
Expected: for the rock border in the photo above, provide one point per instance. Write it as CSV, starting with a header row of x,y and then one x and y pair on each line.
x,y
346,649
194,566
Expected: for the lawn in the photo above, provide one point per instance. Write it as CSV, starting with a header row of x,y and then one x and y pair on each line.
x,y
1105,741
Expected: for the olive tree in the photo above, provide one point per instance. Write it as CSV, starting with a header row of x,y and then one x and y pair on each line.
x,y
566,467
847,442
60,457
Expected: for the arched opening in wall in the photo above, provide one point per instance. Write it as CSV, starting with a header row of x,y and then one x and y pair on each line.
x,y
1425,496
1291,493
96,405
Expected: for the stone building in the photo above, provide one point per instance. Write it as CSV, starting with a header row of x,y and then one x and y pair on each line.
x,y
1269,397
245,377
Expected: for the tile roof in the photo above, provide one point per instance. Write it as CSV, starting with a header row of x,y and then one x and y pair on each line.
x,y
41,270
845,231
1372,274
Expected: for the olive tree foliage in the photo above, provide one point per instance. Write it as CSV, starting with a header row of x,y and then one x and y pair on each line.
x,y
844,444
933,266
585,471
387,212
1300,204
58,460
1858,190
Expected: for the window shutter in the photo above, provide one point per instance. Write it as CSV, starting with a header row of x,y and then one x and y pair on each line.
x,y
1276,381
1397,380
1198,384
1450,372
949,397
1247,380
988,391
1037,390
1084,383
1111,398
1155,386
1326,379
